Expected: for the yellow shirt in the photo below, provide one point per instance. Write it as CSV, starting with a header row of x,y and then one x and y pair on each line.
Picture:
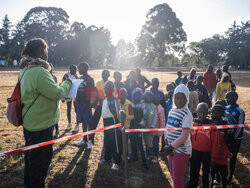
x,y
221,89
100,90
127,107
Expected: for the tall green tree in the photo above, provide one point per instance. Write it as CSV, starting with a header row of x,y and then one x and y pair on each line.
x,y
161,35
238,45
212,50
5,40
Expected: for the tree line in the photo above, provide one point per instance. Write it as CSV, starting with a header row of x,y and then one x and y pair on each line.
x,y
161,42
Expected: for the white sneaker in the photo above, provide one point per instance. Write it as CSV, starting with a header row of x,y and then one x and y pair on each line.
x,y
154,160
81,143
89,144
68,127
115,167
76,129
102,161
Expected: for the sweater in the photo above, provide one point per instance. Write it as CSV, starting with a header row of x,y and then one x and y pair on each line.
x,y
209,80
201,139
45,111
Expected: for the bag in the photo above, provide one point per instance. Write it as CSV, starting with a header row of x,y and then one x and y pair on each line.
x,y
15,105
14,108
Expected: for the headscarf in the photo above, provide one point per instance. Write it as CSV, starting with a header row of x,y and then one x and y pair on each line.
x,y
181,89
223,76
33,62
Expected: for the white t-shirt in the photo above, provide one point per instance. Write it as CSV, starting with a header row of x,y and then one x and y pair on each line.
x,y
179,119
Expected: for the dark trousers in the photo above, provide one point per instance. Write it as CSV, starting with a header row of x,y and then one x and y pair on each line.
x,y
196,160
56,126
222,171
156,145
37,160
69,104
162,142
234,149
136,142
96,119
112,141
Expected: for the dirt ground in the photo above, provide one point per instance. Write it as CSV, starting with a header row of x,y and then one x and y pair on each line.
x,y
77,167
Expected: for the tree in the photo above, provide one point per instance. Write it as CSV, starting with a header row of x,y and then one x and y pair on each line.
x,y
161,35
49,23
212,50
5,40
238,45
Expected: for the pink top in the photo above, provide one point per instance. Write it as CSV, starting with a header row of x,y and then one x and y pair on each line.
x,y
160,123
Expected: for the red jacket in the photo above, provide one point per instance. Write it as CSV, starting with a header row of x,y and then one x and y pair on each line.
x,y
201,139
220,153
209,80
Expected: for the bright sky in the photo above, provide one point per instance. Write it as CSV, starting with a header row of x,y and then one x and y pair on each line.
x,y
124,18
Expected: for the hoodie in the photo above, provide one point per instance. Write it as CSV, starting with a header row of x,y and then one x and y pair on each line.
x,y
180,118
222,88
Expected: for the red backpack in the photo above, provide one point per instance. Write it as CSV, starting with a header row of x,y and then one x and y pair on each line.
x,y
15,105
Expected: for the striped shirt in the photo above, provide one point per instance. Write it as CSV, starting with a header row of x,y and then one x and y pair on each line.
x,y
179,119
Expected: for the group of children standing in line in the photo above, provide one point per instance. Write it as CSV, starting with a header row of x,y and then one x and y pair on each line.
x,y
186,104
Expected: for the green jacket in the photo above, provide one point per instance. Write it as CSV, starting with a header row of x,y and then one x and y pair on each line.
x,y
45,112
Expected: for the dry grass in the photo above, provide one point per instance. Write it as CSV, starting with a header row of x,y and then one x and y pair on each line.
x,y
78,167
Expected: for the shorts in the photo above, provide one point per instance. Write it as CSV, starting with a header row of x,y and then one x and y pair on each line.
x,y
84,114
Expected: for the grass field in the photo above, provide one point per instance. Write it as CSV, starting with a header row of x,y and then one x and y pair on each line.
x,y
77,167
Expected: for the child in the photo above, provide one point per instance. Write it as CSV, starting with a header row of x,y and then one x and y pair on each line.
x,y
220,155
100,98
113,137
72,75
55,79
126,105
210,81
178,81
160,123
151,122
118,82
239,116
223,87
84,113
178,143
201,148
192,76
218,73
139,121
169,87
202,91
193,98
155,90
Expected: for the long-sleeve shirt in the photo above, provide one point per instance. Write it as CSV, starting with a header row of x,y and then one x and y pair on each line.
x,y
221,89
193,101
239,116
141,80
127,107
140,116
160,123
151,115
209,80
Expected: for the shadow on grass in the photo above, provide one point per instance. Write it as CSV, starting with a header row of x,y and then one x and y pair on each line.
x,y
138,176
59,178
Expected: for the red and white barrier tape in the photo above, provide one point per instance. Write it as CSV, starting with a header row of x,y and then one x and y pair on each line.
x,y
58,140
194,128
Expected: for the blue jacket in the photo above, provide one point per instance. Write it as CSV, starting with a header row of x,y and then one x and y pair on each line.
x,y
239,116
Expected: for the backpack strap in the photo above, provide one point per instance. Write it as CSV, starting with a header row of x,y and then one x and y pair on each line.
x,y
30,105
19,80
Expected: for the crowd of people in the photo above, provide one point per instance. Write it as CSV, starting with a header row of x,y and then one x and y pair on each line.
x,y
189,101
